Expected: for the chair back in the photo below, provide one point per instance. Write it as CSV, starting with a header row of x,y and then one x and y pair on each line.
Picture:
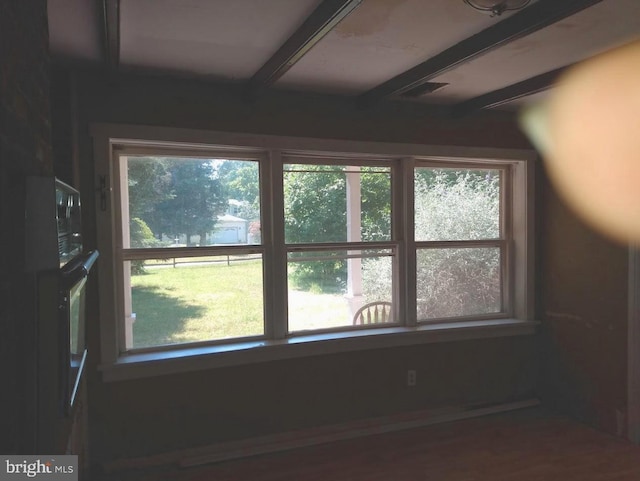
x,y
374,313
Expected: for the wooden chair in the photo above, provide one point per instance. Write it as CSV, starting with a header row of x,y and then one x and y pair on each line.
x,y
374,313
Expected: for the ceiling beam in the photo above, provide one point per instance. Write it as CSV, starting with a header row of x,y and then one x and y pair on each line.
x,y
323,19
527,87
111,33
533,18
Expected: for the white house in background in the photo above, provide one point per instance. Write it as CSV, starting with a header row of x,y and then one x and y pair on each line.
x,y
230,230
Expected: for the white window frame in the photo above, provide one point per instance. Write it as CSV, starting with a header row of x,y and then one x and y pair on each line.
x,y
504,242
276,344
124,253
391,244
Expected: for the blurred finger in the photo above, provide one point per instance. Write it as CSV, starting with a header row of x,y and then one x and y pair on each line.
x,y
589,135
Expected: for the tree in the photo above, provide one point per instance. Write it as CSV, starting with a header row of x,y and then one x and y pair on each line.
x,y
451,205
173,196
240,179
149,184
196,200
316,211
141,237
458,205
376,205
315,205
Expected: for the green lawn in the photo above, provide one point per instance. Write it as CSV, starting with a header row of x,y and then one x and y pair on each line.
x,y
197,302
191,303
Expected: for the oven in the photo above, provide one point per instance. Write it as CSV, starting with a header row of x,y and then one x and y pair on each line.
x,y
72,319
56,257
74,267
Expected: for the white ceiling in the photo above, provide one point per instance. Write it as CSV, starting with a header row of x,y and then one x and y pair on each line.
x,y
231,39
576,38
381,39
225,39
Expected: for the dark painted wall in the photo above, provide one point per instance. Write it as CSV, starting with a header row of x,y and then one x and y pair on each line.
x,y
25,149
583,306
147,416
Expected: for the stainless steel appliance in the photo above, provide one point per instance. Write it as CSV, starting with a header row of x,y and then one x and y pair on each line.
x,y
55,255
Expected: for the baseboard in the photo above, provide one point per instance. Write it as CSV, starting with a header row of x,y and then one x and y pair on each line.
x,y
314,436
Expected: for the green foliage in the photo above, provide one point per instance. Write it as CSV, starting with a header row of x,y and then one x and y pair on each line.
x,y
451,282
316,211
241,182
196,200
175,196
458,282
326,276
375,192
315,205
149,184
141,237
457,204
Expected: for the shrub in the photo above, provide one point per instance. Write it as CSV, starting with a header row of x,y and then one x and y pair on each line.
x,y
141,236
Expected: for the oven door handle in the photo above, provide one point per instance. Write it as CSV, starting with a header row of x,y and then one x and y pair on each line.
x,y
77,269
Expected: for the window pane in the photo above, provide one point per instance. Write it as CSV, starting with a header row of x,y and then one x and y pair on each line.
x,y
326,289
336,203
457,204
173,301
170,201
458,282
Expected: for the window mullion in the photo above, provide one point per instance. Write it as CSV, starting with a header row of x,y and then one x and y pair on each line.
x,y
404,231
121,216
276,301
506,212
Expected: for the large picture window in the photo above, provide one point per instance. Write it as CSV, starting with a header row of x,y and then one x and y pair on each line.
x,y
253,243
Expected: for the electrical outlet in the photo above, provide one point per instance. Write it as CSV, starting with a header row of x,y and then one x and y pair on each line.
x,y
411,377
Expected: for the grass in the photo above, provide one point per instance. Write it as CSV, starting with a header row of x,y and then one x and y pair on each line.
x,y
201,302
197,302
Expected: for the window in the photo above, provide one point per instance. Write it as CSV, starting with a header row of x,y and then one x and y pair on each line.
x,y
340,255
236,243
460,235
192,258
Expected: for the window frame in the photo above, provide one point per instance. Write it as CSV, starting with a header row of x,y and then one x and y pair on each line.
x,y
123,254
277,343
504,242
391,244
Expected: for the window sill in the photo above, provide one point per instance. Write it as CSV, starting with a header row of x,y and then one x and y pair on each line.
x,y
135,366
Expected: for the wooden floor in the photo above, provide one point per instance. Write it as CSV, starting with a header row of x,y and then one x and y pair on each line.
x,y
520,446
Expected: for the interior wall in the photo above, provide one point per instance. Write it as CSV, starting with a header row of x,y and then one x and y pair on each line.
x,y
173,412
25,150
135,418
583,309
62,137
157,100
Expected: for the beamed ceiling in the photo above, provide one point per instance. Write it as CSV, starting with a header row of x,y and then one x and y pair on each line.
x,y
367,51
